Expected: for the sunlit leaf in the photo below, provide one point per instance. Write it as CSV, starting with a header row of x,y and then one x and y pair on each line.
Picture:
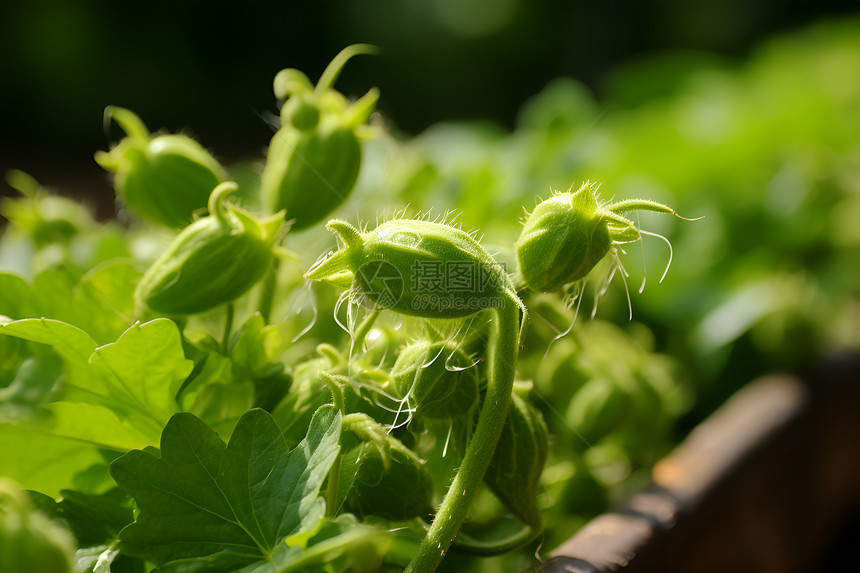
x,y
226,504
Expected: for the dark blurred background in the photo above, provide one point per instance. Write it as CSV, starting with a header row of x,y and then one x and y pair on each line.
x,y
189,65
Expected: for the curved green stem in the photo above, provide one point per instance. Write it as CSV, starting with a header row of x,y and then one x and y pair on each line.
x,y
336,392
362,331
640,205
332,71
290,82
519,538
23,182
216,206
501,358
129,121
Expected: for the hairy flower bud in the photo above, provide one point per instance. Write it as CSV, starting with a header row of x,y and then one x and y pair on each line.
x,y
212,261
562,240
166,179
569,233
313,161
379,475
514,473
437,378
417,268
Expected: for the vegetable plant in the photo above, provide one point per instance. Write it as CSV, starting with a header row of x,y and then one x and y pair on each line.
x,y
192,392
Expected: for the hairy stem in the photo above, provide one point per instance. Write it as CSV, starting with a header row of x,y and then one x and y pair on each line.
x,y
501,358
360,334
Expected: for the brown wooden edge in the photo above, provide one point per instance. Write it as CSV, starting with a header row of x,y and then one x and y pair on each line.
x,y
762,485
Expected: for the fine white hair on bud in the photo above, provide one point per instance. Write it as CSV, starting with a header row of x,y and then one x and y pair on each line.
x,y
417,268
566,235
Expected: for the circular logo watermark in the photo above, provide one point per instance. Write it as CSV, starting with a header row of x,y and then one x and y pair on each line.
x,y
381,283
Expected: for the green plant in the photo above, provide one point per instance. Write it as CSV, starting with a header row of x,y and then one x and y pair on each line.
x,y
567,235
167,178
28,539
313,159
212,261
203,424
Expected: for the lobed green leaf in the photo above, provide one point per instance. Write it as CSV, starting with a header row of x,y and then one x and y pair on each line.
x,y
228,505
119,395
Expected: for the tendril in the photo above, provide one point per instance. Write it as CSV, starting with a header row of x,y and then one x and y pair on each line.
x,y
578,298
313,302
448,438
665,272
344,296
400,408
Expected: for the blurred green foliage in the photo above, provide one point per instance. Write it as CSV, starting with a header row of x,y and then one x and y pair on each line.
x,y
768,151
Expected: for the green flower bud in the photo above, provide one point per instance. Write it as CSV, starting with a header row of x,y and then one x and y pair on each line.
x,y
313,161
514,472
379,475
45,218
307,393
166,179
310,173
301,112
417,268
212,261
437,379
29,541
569,233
